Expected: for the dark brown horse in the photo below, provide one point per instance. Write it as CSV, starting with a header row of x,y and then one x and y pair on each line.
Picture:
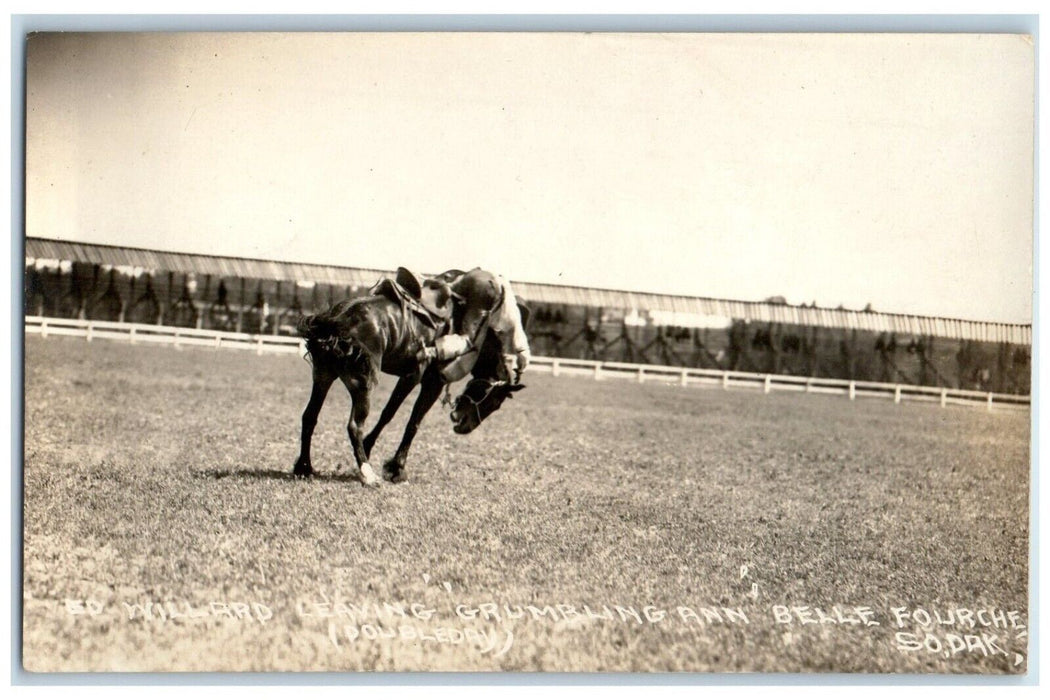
x,y
356,340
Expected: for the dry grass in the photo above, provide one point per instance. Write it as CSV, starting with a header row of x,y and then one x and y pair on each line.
x,y
163,475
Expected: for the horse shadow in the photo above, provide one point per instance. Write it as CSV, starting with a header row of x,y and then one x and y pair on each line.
x,y
346,475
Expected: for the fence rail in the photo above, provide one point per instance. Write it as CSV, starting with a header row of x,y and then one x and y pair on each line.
x,y
557,366
171,335
767,383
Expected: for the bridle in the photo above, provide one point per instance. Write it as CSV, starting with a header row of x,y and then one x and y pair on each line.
x,y
475,405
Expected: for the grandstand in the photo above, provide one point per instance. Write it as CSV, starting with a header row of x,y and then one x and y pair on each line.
x,y
100,282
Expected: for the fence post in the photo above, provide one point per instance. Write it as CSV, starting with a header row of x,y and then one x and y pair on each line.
x,y
725,381
131,335
555,367
641,375
178,346
809,385
989,400
258,343
897,394
684,378
852,390
43,328
90,330
598,371
767,384
944,398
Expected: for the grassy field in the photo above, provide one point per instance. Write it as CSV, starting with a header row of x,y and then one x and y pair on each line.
x,y
158,476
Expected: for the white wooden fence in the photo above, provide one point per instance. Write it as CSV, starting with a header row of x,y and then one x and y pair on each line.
x,y
170,335
557,366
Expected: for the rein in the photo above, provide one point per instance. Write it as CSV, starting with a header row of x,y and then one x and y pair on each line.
x,y
479,337
475,344
490,383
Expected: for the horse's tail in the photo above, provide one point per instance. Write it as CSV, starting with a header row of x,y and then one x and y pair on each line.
x,y
326,335
308,327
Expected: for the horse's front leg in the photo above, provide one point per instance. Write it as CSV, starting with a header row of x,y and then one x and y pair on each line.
x,y
429,391
404,387
322,382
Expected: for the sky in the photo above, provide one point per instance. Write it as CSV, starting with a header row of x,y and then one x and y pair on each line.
x,y
895,170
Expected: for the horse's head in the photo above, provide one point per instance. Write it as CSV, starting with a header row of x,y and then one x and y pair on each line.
x,y
480,398
490,385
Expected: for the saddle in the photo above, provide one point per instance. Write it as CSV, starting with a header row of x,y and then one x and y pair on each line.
x,y
431,301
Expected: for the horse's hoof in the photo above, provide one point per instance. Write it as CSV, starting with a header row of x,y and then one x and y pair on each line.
x,y
303,471
368,476
394,472
395,476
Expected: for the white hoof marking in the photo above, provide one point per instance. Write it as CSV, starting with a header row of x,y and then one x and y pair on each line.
x,y
368,476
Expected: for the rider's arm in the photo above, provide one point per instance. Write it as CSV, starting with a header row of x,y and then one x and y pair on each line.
x,y
512,333
452,345
446,347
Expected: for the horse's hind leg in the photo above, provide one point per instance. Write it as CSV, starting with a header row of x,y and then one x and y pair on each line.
x,y
397,397
360,394
429,392
322,382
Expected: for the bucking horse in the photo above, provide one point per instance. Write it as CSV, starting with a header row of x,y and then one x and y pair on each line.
x,y
355,340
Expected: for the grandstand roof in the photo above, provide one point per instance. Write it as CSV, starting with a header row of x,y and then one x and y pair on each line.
x,y
758,311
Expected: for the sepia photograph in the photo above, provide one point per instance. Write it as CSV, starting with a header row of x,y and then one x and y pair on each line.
x,y
352,351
